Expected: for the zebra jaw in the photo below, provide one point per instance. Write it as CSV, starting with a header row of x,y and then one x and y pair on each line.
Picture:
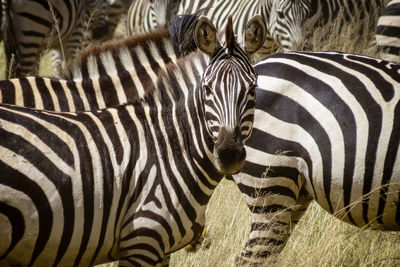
x,y
229,152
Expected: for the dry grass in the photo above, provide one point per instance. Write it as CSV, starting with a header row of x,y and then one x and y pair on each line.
x,y
322,240
318,240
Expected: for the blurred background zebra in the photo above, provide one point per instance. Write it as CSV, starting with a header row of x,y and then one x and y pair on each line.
x,y
293,23
31,27
146,16
141,17
388,32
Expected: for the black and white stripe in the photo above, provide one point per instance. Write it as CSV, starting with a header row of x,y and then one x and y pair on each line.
x,y
292,23
388,32
327,127
145,16
131,182
30,28
125,68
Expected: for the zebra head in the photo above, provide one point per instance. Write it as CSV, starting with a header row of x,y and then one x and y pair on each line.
x,y
228,90
291,21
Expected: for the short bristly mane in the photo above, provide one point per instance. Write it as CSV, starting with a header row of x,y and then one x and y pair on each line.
x,y
177,39
113,47
178,71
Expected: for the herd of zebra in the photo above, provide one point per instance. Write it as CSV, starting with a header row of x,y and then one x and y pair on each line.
x,y
118,154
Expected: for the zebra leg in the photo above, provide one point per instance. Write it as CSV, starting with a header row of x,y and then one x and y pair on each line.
x,y
273,200
303,202
73,44
203,241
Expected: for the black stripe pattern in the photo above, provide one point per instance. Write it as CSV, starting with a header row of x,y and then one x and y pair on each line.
x,y
142,17
326,128
292,23
31,27
129,183
388,32
105,76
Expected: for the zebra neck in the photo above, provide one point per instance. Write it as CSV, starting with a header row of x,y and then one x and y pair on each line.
x,y
123,71
177,96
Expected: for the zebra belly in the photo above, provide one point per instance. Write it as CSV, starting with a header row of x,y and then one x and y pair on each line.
x,y
378,208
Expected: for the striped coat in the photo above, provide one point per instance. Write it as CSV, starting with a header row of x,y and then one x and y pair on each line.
x,y
326,129
388,32
132,182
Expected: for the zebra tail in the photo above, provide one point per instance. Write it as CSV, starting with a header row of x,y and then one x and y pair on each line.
x,y
182,30
10,43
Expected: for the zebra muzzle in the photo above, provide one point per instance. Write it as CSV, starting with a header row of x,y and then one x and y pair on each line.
x,y
229,151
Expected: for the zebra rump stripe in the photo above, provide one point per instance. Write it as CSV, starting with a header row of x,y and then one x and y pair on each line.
x,y
388,32
327,127
132,182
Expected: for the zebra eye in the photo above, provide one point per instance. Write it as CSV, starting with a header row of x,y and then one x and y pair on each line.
x,y
207,90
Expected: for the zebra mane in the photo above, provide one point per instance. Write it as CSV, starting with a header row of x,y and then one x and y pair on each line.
x,y
182,32
112,47
168,78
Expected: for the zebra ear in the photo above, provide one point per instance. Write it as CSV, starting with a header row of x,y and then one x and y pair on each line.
x,y
205,36
254,35
230,35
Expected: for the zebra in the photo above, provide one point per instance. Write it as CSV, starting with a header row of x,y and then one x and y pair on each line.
x,y
113,173
146,15
115,16
141,17
387,32
326,128
292,23
29,27
258,234
127,71
82,91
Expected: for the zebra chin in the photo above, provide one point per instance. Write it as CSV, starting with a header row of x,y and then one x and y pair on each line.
x,y
229,151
